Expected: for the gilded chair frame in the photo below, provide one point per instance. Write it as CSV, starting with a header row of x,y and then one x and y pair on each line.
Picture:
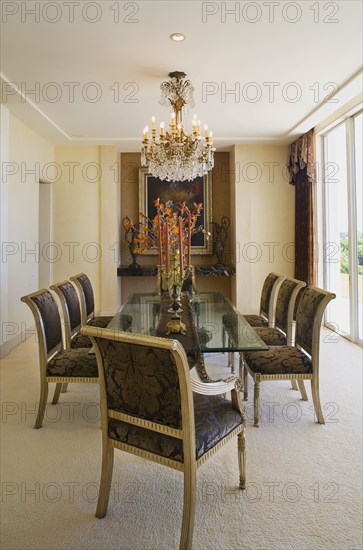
x,y
188,382
299,378
44,358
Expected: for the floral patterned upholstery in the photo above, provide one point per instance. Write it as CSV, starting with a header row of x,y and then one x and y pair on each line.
x,y
266,292
278,360
214,419
80,341
101,322
76,363
88,293
72,301
141,381
148,440
229,320
271,336
282,306
309,303
50,317
256,320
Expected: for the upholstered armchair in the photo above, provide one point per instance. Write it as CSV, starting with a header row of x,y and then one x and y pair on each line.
x,y
299,362
149,409
86,296
56,364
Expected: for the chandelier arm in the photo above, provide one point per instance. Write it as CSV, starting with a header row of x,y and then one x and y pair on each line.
x,y
177,155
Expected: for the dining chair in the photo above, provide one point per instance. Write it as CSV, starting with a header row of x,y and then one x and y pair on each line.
x,y
266,317
283,332
152,406
71,311
56,364
86,296
299,362
269,293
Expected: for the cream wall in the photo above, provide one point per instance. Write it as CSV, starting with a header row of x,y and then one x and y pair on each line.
x,y
83,215
25,158
85,220
262,209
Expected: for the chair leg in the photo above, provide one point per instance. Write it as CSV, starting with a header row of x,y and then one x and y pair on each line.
x,y
42,405
64,387
316,400
105,483
57,392
241,443
294,385
240,366
230,355
231,360
187,529
245,383
256,403
302,389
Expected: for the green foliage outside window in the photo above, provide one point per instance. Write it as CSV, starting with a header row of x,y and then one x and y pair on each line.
x,y
344,256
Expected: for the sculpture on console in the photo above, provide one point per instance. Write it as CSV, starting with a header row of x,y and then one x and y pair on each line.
x,y
220,235
131,233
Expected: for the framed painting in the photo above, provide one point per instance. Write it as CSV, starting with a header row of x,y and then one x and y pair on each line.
x,y
198,190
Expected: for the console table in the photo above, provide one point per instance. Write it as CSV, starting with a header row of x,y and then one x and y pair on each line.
x,y
200,271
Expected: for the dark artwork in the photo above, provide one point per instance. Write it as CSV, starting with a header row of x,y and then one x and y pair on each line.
x,y
177,192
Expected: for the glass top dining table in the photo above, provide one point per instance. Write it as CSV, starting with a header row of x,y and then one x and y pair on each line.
x,y
210,313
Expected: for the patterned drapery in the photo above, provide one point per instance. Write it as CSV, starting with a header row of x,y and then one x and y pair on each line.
x,y
301,166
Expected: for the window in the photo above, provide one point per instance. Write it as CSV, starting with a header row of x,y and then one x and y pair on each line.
x,y
342,225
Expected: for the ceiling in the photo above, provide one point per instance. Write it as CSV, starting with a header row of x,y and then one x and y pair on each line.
x,y
112,56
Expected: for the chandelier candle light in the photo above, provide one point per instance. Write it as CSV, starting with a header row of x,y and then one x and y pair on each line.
x,y
176,155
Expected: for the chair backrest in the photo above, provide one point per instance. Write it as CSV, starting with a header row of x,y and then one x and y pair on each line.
x,y
145,383
189,283
47,321
86,296
309,316
70,308
285,306
270,288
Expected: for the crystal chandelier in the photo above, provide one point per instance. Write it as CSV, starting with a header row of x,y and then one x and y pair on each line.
x,y
177,155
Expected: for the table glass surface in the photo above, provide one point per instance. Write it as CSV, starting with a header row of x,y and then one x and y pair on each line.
x,y
141,313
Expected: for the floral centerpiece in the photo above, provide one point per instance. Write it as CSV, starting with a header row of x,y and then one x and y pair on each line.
x,y
170,231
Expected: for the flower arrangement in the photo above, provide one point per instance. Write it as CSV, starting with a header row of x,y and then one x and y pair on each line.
x,y
170,231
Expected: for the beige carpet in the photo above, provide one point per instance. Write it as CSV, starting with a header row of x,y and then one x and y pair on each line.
x,y
303,485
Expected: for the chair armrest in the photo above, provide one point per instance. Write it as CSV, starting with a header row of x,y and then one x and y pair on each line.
x,y
232,384
213,388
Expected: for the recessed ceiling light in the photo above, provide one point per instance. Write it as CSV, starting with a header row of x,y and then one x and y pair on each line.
x,y
177,37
